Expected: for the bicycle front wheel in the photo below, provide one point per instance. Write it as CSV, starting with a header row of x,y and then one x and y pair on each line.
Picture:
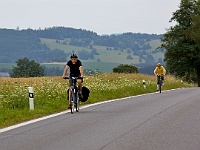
x,y
160,86
71,103
77,105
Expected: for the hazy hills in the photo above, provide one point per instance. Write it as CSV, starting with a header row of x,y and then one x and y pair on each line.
x,y
57,43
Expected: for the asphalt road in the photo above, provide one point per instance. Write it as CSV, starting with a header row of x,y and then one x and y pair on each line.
x,y
158,121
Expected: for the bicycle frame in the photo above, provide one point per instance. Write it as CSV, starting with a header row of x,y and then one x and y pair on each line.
x,y
73,100
75,91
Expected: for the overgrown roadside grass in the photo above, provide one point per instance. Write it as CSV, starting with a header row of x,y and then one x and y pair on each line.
x,y
50,93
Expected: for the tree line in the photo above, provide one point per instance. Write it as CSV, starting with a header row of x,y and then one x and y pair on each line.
x,y
29,68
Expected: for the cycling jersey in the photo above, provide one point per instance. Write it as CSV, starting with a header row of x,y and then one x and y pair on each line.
x,y
74,68
160,70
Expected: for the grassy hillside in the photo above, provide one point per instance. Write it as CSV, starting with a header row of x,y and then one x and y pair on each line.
x,y
50,93
53,45
112,56
154,44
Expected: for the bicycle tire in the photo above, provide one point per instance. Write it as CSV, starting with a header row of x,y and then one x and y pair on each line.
x,y
76,99
71,103
77,105
160,85
160,88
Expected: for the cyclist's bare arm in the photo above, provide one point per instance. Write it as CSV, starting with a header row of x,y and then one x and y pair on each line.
x,y
155,72
164,72
65,71
81,71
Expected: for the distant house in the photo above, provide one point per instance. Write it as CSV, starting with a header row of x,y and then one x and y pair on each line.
x,y
4,74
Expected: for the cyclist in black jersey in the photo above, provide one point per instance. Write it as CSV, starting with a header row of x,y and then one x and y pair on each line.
x,y
76,70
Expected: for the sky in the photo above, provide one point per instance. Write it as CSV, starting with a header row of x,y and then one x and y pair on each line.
x,y
100,16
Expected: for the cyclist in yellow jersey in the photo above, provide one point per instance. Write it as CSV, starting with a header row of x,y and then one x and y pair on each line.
x,y
159,70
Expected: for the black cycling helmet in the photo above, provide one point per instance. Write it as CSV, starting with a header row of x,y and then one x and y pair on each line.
x,y
73,56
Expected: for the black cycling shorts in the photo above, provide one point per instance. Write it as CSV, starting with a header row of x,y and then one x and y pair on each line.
x,y
70,80
162,77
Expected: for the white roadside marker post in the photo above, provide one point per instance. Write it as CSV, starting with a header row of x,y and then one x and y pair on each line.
x,y
31,100
144,83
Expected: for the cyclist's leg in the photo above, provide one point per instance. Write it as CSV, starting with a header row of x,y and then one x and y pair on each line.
x,y
157,82
163,80
80,85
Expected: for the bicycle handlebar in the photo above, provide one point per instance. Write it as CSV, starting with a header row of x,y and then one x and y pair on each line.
x,y
73,78
160,75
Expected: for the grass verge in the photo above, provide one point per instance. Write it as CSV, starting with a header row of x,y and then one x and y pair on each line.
x,y
50,93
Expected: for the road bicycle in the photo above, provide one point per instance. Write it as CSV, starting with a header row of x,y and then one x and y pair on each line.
x,y
160,82
74,101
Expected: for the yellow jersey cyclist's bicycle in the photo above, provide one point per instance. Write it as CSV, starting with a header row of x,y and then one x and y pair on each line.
x,y
160,82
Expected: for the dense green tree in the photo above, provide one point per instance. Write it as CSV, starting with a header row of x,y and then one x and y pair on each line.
x,y
125,68
129,57
194,30
182,42
26,68
94,52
